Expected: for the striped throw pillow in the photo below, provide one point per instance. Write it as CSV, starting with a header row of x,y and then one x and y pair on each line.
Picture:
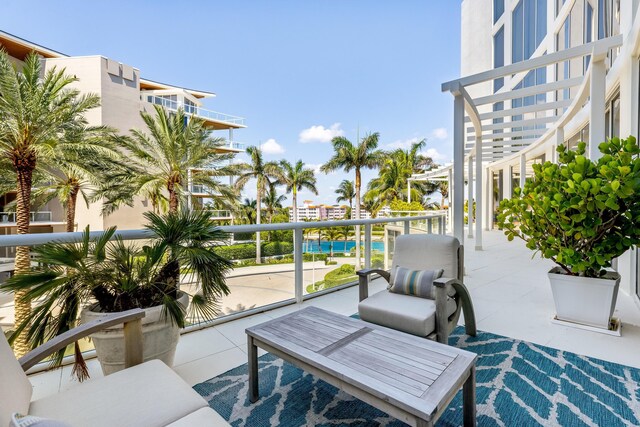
x,y
417,283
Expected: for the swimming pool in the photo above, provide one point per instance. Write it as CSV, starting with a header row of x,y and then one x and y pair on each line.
x,y
311,246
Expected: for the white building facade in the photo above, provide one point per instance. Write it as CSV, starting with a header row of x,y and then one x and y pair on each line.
x,y
537,74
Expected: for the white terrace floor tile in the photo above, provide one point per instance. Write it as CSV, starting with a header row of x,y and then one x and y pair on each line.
x,y
199,344
208,367
234,331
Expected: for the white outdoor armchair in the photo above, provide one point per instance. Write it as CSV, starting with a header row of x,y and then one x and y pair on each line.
x,y
429,318
147,394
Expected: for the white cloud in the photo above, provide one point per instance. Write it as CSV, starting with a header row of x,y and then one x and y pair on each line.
x,y
319,133
400,143
271,147
434,154
406,143
439,133
316,168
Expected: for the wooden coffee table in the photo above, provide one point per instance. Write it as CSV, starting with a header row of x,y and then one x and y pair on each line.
x,y
412,379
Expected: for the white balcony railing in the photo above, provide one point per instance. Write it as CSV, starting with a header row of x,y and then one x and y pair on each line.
x,y
195,110
220,214
42,216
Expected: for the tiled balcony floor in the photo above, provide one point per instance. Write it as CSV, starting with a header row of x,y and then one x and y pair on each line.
x,y
511,296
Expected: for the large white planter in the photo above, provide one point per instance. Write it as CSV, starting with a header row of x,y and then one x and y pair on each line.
x,y
160,338
584,300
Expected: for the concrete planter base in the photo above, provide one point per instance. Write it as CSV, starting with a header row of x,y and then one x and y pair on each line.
x,y
584,300
160,337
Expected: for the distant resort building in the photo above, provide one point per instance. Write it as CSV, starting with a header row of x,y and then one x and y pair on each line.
x,y
124,93
310,212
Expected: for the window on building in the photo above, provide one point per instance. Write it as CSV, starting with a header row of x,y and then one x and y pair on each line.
x,y
498,9
529,20
498,57
589,30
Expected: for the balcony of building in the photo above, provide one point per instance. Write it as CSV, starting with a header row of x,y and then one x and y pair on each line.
x,y
512,300
213,119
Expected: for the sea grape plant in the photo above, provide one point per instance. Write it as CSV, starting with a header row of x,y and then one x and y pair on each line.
x,y
579,213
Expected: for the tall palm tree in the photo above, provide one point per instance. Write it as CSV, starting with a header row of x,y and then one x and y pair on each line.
x,y
80,170
264,173
248,211
35,109
391,182
174,152
295,178
345,232
347,156
273,201
346,193
331,234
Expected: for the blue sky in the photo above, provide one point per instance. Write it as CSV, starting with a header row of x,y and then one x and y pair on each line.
x,y
300,72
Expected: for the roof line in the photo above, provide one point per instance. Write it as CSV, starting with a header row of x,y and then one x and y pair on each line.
x,y
55,52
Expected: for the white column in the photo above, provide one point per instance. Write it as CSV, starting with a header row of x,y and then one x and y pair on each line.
x,y
507,182
449,201
231,137
478,182
523,170
470,197
559,142
458,167
597,93
409,190
489,191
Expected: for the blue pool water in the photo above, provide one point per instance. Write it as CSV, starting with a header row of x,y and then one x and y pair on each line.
x,y
311,246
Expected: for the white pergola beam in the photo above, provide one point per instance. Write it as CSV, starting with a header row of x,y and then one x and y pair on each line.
x,y
541,61
524,110
529,91
516,123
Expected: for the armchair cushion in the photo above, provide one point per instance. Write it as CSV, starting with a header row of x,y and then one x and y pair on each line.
x,y
150,394
405,313
417,283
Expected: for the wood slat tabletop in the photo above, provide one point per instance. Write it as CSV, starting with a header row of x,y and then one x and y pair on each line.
x,y
412,373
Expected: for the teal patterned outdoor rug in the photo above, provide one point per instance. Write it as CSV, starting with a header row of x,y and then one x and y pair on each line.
x,y
518,384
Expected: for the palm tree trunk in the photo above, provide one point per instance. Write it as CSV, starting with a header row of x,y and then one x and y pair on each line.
x,y
295,205
258,214
357,236
71,209
22,307
173,197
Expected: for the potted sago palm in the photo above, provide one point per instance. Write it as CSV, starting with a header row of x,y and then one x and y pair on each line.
x,y
105,274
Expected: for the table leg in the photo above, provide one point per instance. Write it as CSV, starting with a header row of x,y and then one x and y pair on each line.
x,y
253,370
469,399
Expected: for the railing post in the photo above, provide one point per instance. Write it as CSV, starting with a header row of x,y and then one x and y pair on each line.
x,y
298,275
430,226
407,227
367,246
441,222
